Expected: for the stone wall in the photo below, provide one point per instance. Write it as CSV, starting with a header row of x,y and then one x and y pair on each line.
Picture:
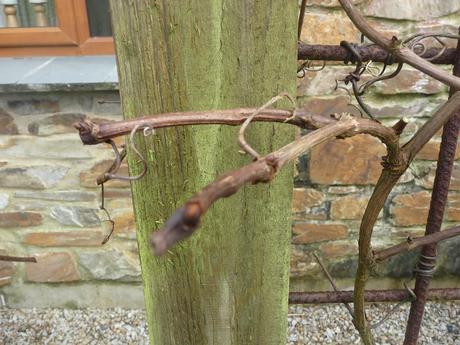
x,y
49,205
49,199
334,182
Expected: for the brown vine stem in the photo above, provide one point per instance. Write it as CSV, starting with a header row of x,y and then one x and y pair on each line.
x,y
92,133
17,258
392,171
301,18
396,47
413,243
187,218
332,282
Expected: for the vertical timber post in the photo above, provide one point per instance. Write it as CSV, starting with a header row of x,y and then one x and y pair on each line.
x,y
228,283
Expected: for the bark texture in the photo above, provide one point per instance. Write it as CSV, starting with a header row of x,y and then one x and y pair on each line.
x,y
228,284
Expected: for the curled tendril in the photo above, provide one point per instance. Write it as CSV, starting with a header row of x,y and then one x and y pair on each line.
x,y
109,219
309,66
416,44
111,172
354,77
242,140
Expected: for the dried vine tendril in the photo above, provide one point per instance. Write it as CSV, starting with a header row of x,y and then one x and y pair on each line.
x,y
111,172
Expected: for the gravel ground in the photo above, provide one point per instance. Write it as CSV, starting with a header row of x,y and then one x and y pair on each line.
x,y
307,325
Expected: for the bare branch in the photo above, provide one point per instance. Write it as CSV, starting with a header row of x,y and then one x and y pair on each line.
x,y
432,126
413,243
188,218
396,47
92,133
332,282
301,18
390,175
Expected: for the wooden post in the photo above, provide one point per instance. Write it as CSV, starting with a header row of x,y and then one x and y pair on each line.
x,y
228,283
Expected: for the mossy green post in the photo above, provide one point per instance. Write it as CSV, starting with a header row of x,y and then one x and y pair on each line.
x,y
228,283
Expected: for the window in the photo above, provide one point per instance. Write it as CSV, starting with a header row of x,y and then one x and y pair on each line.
x,y
55,27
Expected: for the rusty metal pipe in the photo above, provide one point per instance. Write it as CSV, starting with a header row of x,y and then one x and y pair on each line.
x,y
324,297
427,260
372,52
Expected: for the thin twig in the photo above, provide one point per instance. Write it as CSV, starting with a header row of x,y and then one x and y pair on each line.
x,y
331,281
301,18
109,218
413,243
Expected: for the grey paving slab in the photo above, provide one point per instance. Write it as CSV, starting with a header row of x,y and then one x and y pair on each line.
x,y
70,70
112,77
14,69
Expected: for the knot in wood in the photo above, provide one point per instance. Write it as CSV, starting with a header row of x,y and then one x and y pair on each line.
x,y
192,215
272,162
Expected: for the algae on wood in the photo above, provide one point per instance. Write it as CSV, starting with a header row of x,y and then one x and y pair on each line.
x,y
228,283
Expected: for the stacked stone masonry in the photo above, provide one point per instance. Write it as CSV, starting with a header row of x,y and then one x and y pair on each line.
x,y
49,201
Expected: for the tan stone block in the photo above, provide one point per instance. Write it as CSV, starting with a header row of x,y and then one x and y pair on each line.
x,y
86,238
431,151
323,28
411,209
88,177
337,249
124,223
348,207
52,268
20,219
428,179
410,82
410,10
407,216
117,193
350,161
7,271
311,233
305,197
419,199
327,106
303,264
453,207
7,125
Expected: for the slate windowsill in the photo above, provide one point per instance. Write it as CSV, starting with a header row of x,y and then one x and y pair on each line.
x,y
45,74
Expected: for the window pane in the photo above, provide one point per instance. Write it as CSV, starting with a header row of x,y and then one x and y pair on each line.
x,y
99,18
27,13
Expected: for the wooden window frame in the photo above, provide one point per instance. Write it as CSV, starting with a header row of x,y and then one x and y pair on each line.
x,y
70,37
